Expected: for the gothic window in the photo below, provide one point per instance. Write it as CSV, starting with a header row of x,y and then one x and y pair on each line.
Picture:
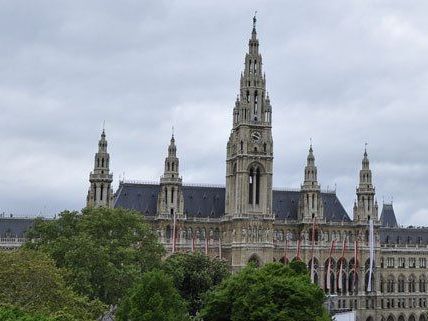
x,y
250,67
313,201
256,103
353,282
412,284
264,147
422,284
251,186
98,162
242,146
172,195
101,192
172,166
102,162
168,167
248,96
390,284
95,192
257,186
255,66
371,281
401,283
166,195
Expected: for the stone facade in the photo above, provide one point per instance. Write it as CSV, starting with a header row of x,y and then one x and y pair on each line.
x,y
247,220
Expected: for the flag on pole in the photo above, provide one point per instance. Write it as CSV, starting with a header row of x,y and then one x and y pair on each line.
x,y
193,242
285,249
174,230
371,254
339,284
312,250
329,265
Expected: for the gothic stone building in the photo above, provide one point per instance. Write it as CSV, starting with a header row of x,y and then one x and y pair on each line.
x,y
248,220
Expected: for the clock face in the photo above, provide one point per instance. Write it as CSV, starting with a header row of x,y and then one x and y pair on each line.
x,y
256,136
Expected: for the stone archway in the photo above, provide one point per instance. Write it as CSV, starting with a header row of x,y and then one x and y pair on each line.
x,y
255,259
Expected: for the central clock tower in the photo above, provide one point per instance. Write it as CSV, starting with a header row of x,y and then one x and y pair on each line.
x,y
250,146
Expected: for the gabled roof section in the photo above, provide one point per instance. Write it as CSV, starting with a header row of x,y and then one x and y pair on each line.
x,y
387,217
209,201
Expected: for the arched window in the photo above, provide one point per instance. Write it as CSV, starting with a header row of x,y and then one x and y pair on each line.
x,y
166,195
242,146
101,192
102,162
168,166
255,66
422,284
251,186
412,284
248,96
353,282
172,166
372,283
256,102
98,162
390,284
257,185
401,282
172,195
401,318
254,259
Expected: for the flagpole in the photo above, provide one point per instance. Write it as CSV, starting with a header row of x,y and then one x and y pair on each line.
x,y
329,265
174,227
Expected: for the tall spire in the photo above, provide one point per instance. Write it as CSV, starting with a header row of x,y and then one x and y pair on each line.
x,y
366,204
170,198
100,191
252,104
310,205
310,169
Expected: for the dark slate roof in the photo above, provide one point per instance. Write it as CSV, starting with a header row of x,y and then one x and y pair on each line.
x,y
404,235
14,227
387,217
208,201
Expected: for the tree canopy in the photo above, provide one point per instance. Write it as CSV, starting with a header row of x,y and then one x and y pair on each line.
x,y
195,274
15,314
153,299
105,250
31,282
274,292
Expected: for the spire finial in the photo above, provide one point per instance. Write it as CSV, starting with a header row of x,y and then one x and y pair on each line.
x,y
254,21
310,143
365,148
172,130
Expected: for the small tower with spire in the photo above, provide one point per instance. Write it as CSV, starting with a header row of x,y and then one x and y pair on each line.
x,y
310,204
365,207
100,190
170,199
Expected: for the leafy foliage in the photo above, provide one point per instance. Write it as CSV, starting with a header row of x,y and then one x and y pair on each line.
x,y
15,314
105,250
274,292
194,275
153,299
30,281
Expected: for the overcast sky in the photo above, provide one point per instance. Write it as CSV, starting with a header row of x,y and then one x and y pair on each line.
x,y
341,72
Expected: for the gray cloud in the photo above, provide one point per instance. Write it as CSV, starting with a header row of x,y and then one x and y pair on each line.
x,y
340,72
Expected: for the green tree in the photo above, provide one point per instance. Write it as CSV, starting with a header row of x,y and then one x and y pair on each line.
x,y
105,250
153,299
15,314
31,282
274,292
194,275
